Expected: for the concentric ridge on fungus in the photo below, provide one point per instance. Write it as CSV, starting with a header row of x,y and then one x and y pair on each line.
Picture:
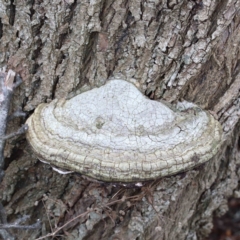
x,y
114,133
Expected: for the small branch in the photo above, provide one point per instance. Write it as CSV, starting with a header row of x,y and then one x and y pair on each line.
x,y
22,219
60,228
122,199
7,85
17,223
20,131
16,114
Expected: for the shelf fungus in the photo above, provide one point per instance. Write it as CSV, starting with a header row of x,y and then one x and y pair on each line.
x,y
114,133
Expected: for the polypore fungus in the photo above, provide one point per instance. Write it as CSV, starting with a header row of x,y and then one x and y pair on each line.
x,y
114,133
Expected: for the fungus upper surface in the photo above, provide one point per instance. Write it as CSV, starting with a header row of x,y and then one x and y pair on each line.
x,y
114,133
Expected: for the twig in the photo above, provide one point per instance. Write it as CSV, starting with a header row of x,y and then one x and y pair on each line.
x,y
124,198
20,131
16,114
7,86
60,228
17,225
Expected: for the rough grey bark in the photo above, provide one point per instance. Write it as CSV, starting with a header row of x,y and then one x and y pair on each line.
x,y
172,50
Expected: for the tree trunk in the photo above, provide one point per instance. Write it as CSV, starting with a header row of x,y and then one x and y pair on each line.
x,y
172,50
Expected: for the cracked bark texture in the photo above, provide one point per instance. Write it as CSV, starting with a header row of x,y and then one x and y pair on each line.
x,y
172,50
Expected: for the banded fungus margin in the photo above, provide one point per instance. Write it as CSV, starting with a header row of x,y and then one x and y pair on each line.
x,y
114,133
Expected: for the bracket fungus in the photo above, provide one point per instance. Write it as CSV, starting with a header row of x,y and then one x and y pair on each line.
x,y
115,133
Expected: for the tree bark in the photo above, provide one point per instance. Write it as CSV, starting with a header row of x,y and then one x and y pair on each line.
x,y
172,50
